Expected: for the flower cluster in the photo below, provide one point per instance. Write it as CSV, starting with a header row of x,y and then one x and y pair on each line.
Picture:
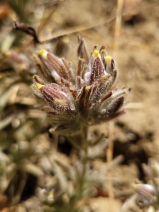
x,y
84,95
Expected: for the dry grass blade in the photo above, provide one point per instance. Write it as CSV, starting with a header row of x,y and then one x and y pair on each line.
x,y
30,31
118,25
109,152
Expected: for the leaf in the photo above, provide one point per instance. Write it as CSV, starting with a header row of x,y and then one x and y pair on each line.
x,y
4,98
61,176
33,169
5,122
7,43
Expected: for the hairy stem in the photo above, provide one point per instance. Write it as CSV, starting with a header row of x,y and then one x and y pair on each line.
x,y
84,159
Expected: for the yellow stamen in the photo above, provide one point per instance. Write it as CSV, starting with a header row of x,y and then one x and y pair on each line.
x,y
61,102
39,86
103,51
8,53
96,53
22,66
66,40
135,186
87,88
108,59
51,193
43,53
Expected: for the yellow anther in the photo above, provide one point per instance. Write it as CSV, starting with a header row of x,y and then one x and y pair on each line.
x,y
103,51
87,88
135,186
39,86
22,66
51,194
61,102
108,59
43,53
8,53
66,40
96,53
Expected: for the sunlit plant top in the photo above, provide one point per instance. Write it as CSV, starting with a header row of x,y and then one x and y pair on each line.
x,y
82,96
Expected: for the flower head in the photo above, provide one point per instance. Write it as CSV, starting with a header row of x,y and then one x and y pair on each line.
x,y
82,96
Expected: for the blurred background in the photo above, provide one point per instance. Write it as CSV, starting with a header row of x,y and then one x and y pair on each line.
x,y
25,141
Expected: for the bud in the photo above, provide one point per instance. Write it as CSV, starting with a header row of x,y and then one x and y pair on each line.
x,y
97,67
144,189
53,63
81,51
109,64
146,194
57,99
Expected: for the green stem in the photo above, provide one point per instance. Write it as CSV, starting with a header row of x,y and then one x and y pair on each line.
x,y
80,142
